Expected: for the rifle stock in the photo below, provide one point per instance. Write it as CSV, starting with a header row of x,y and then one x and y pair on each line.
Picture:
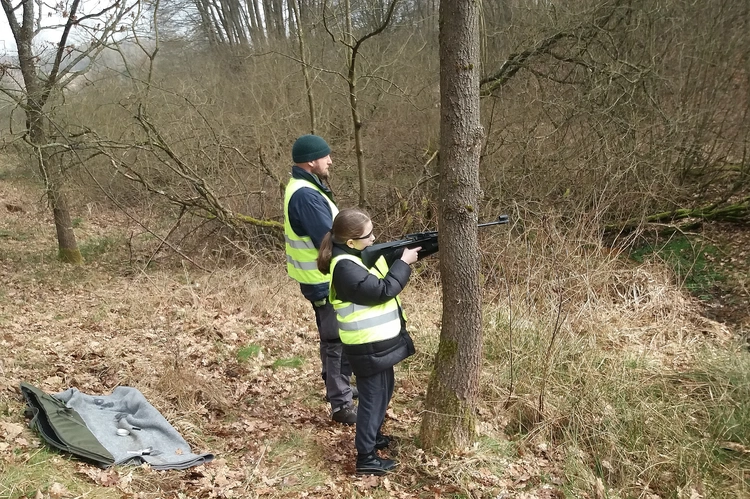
x,y
427,240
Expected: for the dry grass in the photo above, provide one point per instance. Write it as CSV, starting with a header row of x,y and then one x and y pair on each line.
x,y
595,342
640,392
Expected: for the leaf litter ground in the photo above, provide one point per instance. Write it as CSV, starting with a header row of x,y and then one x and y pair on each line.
x,y
175,335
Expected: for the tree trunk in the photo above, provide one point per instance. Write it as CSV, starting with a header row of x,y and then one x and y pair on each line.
x,y
735,212
68,251
303,59
354,45
453,390
36,98
262,34
58,71
208,27
351,79
357,124
278,12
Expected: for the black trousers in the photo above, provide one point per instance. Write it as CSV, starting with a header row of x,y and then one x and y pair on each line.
x,y
375,394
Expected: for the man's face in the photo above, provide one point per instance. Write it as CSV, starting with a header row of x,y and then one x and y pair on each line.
x,y
320,167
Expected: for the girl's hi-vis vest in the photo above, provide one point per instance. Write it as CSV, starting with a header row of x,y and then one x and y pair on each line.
x,y
359,324
301,254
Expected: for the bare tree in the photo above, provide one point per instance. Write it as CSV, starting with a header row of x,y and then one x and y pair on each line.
x,y
354,46
303,58
453,390
635,104
43,74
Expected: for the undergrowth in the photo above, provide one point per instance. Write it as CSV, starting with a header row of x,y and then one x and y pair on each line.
x,y
623,418
46,471
631,392
692,259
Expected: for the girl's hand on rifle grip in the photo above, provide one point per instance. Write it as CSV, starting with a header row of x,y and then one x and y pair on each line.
x,y
410,255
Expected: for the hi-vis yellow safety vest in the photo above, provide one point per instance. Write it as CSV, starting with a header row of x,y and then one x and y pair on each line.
x,y
360,324
301,254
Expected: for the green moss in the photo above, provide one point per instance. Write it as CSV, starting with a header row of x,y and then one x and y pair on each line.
x,y
292,362
97,246
446,352
694,262
244,353
450,422
15,235
70,256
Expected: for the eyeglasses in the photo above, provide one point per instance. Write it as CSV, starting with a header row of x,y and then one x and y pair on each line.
x,y
368,236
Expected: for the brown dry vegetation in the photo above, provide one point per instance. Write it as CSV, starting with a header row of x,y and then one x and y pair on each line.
x,y
602,375
629,336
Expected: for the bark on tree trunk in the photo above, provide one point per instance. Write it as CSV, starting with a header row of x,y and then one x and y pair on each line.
x,y
357,123
68,251
303,59
449,421
36,91
67,244
262,34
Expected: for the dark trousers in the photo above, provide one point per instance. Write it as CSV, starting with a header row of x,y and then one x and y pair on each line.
x,y
336,370
375,394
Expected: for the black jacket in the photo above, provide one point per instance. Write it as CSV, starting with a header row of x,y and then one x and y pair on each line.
x,y
353,283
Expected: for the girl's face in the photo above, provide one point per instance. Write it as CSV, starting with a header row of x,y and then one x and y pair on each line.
x,y
365,240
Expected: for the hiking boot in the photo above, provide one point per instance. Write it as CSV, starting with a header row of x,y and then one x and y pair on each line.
x,y
372,464
355,394
382,441
345,415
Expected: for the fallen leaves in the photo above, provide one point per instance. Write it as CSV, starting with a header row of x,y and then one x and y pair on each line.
x,y
9,431
120,478
58,490
94,329
218,479
105,478
367,482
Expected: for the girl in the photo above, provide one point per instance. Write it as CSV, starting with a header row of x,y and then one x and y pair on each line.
x,y
372,326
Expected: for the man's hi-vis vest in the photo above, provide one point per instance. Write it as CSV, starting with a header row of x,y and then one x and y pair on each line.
x,y
301,254
360,324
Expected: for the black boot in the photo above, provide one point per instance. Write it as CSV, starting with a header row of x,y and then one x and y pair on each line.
x,y
346,414
371,464
382,441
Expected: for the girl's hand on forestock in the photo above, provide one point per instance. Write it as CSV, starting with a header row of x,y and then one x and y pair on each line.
x,y
410,255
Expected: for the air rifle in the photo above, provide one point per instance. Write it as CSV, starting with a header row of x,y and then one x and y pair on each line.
x,y
428,241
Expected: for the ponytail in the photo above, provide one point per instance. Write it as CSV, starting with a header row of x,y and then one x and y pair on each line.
x,y
325,253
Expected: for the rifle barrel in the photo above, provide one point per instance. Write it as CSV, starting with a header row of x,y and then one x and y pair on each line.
x,y
502,219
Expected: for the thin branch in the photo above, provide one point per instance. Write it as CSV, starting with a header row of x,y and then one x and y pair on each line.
x,y
164,239
127,214
550,348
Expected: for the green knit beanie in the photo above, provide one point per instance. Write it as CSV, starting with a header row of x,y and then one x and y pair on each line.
x,y
309,148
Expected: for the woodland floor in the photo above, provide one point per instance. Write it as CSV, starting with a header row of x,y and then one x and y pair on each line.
x,y
729,300
230,359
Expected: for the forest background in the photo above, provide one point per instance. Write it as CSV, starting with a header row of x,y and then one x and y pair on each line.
x,y
155,138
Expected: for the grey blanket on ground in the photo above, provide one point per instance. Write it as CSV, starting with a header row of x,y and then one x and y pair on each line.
x,y
145,435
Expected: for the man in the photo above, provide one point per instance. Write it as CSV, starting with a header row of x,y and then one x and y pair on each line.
x,y
308,216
